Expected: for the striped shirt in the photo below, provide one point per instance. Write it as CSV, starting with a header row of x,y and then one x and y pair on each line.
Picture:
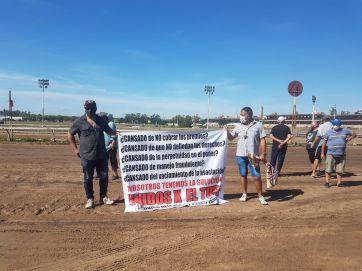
x,y
248,137
337,141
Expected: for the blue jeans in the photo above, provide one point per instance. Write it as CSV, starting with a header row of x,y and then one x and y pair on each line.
x,y
278,154
88,170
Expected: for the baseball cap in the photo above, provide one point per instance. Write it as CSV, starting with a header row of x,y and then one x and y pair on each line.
x,y
281,119
90,104
337,122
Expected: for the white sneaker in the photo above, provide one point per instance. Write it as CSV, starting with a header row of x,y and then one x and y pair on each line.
x,y
90,204
107,201
263,201
243,198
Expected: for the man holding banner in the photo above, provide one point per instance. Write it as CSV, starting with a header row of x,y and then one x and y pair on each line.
x,y
251,141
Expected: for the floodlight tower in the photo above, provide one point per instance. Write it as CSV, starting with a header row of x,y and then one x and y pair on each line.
x,y
314,98
43,83
209,90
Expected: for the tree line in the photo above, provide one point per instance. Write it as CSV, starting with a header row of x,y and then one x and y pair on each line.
x,y
129,118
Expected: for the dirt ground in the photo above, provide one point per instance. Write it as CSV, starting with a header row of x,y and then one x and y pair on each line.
x,y
44,226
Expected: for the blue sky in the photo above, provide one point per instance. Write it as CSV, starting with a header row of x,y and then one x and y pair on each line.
x,y
156,56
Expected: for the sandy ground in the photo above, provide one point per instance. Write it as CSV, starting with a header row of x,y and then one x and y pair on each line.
x,y
44,226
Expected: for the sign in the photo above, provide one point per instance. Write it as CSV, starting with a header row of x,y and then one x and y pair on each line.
x,y
163,170
295,88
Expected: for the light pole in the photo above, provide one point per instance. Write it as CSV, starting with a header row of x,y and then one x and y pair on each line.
x,y
209,90
43,83
314,98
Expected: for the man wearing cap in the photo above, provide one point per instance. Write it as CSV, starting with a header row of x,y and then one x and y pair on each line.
x,y
251,141
281,135
92,151
336,140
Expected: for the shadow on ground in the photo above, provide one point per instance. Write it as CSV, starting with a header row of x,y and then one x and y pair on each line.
x,y
272,195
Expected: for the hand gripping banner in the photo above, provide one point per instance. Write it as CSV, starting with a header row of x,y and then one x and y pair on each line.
x,y
163,170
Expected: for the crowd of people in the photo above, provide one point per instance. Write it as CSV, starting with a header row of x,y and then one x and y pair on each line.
x,y
326,141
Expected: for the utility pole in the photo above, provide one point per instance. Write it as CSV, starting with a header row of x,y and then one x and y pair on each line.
x,y
314,98
43,83
11,104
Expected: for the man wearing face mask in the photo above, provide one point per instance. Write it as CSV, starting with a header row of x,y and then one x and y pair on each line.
x,y
92,151
251,140
336,141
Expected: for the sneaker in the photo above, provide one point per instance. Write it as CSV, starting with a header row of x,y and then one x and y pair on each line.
x,y
107,201
263,201
326,185
243,198
90,204
340,185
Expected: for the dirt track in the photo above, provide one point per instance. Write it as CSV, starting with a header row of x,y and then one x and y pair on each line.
x,y
44,226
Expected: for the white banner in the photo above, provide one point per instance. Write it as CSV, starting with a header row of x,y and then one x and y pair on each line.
x,y
165,170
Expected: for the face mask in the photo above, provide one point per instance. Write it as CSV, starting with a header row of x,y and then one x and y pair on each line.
x,y
90,112
336,128
243,119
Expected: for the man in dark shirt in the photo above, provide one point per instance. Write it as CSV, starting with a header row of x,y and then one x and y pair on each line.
x,y
92,151
281,135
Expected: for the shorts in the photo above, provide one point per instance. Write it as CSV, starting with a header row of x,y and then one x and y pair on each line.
x,y
311,155
243,163
335,162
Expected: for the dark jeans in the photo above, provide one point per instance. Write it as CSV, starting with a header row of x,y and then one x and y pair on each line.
x,y
278,154
88,170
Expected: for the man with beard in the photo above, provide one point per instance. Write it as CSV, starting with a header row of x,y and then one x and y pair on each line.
x,y
92,151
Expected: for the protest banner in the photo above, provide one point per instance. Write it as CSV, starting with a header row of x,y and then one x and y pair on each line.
x,y
163,170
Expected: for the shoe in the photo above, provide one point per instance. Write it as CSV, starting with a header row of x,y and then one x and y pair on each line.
x,y
263,201
107,201
340,185
115,178
326,185
90,204
243,198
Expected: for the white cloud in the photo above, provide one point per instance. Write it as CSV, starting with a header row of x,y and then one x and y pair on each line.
x,y
17,77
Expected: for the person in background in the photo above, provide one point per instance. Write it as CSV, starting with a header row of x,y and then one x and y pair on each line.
x,y
112,148
335,141
281,135
310,136
92,151
251,140
323,128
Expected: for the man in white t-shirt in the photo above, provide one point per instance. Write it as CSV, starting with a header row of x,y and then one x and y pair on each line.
x,y
322,131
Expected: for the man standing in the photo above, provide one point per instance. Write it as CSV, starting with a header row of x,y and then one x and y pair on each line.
x,y
92,151
251,140
311,149
112,147
281,135
318,141
336,141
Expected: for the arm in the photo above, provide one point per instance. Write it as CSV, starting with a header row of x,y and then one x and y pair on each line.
x,y
351,137
229,135
276,139
262,148
323,156
316,139
289,137
71,140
